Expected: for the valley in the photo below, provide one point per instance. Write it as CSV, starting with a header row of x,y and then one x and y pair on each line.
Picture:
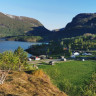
x,y
74,75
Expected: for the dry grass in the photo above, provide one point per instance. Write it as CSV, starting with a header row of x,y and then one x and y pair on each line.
x,y
33,84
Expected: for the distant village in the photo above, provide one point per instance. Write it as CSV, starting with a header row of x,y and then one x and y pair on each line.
x,y
76,55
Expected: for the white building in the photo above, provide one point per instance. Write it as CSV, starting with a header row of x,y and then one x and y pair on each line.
x,y
75,54
85,54
37,58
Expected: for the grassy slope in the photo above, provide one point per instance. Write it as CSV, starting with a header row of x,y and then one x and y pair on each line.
x,y
33,84
73,71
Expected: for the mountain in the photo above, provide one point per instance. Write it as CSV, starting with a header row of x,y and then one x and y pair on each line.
x,y
11,25
81,24
29,84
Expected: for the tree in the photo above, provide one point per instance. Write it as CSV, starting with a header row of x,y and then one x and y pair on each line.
x,y
11,61
61,43
6,64
6,60
22,56
48,51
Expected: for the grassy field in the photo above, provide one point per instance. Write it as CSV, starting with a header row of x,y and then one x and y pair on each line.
x,y
75,72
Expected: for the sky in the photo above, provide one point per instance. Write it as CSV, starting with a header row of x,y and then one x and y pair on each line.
x,y
53,14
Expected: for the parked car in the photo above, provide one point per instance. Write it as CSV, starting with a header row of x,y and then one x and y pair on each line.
x,y
51,62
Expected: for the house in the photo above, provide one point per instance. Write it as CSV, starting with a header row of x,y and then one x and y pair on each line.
x,y
75,54
42,56
35,58
86,54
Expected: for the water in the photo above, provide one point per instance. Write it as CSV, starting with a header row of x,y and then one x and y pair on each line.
x,y
12,45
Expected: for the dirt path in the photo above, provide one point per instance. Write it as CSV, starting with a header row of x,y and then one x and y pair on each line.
x,y
39,62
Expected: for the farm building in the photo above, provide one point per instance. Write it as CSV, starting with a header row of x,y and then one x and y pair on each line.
x,y
35,58
42,56
75,54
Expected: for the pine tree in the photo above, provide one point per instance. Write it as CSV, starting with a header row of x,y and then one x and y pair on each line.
x,y
22,56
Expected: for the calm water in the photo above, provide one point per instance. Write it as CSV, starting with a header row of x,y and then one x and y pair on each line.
x,y
12,45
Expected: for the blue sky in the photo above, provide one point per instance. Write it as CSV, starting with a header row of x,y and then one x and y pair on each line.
x,y
53,14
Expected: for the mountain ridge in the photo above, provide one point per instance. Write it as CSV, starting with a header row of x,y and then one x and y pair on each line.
x,y
80,24
11,25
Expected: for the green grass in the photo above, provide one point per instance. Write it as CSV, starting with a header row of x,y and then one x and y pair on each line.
x,y
76,72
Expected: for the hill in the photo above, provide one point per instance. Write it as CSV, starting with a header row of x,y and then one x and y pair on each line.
x,y
33,84
11,25
80,24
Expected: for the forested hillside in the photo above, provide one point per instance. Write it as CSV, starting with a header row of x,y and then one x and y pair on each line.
x,y
11,25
